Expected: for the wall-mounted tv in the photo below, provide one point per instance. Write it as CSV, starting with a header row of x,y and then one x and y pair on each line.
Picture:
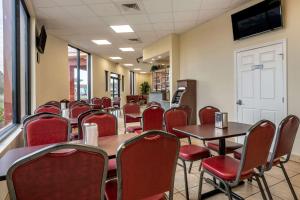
x,y
41,40
262,17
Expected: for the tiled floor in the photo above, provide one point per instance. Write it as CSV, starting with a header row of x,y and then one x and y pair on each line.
x,y
275,179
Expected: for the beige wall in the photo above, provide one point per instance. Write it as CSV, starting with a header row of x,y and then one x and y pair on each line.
x,y
51,74
207,55
140,78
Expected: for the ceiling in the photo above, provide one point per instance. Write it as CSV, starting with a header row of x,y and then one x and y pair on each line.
x,y
80,21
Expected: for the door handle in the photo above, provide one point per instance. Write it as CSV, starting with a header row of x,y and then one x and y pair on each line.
x,y
254,67
239,102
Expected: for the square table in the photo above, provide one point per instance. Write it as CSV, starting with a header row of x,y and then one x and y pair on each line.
x,y
109,144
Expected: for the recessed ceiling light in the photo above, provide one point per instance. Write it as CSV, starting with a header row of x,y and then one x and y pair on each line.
x,y
122,29
101,42
153,59
143,72
115,58
159,57
137,69
128,65
127,49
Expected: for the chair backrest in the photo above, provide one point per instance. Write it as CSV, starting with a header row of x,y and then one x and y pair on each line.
x,y
153,103
258,141
153,118
81,117
46,129
48,109
61,171
175,117
117,101
107,123
77,109
54,103
188,110
97,102
285,137
146,165
105,102
131,108
207,115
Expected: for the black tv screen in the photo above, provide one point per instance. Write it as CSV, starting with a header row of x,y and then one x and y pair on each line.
x,y
262,17
41,40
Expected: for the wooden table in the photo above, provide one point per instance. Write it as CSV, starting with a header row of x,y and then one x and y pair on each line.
x,y
209,132
135,115
109,144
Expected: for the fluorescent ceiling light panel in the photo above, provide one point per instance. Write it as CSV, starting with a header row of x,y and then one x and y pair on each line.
x,y
137,69
115,58
101,42
143,72
128,65
122,29
126,49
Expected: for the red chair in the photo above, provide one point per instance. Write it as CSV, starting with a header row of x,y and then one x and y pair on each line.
x,y
105,102
48,109
188,110
53,103
230,171
146,168
152,119
284,141
97,102
153,103
66,101
174,118
107,125
61,171
207,116
77,109
131,108
117,102
46,129
80,118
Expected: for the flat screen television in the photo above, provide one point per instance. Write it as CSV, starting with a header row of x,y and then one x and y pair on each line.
x,y
41,40
262,17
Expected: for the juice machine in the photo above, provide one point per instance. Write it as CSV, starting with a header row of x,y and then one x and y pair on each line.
x,y
185,95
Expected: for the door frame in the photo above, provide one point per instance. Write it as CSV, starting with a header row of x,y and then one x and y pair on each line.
x,y
284,61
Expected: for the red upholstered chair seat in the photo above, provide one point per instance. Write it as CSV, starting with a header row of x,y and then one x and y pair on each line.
x,y
112,167
193,152
138,131
230,146
132,129
112,188
225,167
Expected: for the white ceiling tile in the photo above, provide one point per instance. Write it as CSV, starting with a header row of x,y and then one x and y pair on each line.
x,y
185,16
205,15
181,5
95,1
183,26
68,2
114,20
137,19
163,26
80,11
105,9
215,4
155,6
161,17
43,3
142,27
52,13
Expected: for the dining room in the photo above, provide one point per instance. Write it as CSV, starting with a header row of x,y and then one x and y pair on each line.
x,y
149,99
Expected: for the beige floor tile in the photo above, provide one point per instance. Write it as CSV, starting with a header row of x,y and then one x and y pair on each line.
x,y
245,190
206,188
282,190
292,166
258,196
277,173
270,180
178,196
179,181
296,180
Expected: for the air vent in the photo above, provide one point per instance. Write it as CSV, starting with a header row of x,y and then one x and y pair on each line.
x,y
131,6
135,40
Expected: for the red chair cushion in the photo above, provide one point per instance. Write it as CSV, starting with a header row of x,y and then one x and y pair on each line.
x,y
112,168
111,189
138,131
230,146
133,128
225,167
193,152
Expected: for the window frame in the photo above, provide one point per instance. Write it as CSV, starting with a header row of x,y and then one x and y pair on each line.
x,y
78,72
16,82
118,92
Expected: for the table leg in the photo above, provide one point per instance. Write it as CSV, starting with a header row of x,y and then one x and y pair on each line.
x,y
222,146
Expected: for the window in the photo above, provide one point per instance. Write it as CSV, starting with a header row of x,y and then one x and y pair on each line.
x,y
114,85
79,73
132,80
14,64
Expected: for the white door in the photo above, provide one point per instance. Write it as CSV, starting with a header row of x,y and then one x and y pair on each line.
x,y
260,85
